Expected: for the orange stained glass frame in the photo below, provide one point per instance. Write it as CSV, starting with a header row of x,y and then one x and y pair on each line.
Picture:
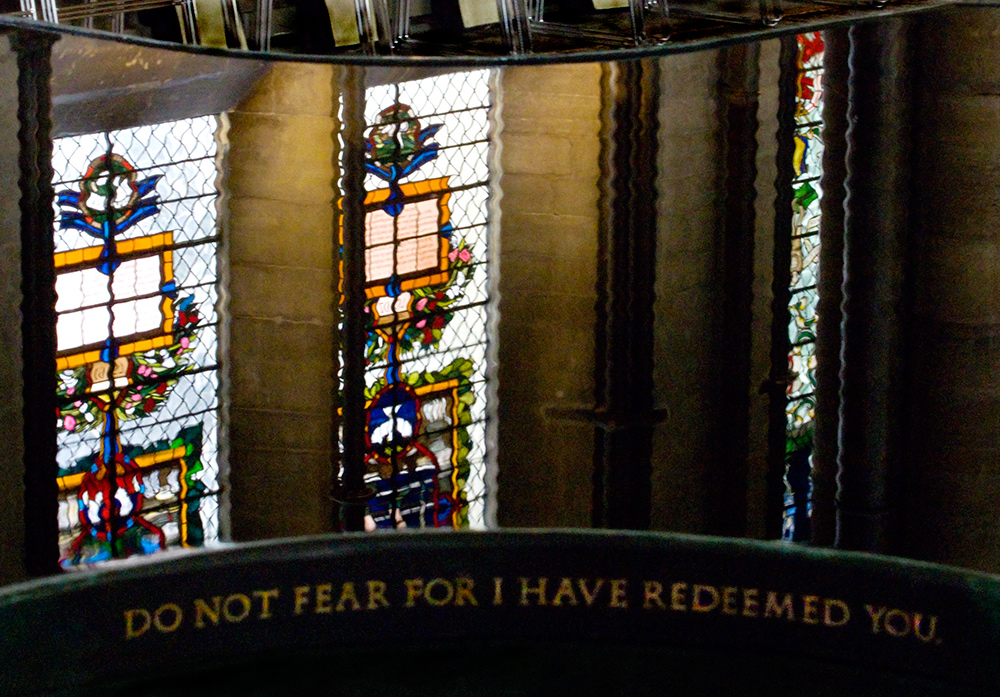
x,y
413,193
88,256
448,386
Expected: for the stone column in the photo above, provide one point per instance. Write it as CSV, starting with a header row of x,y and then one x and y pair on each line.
x,y
626,270
739,95
952,482
875,239
545,372
11,383
38,307
685,321
281,233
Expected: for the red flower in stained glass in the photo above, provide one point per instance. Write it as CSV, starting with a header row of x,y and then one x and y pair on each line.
x,y
112,514
805,87
810,45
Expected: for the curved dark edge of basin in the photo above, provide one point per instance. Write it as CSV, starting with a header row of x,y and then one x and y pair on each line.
x,y
661,592
822,18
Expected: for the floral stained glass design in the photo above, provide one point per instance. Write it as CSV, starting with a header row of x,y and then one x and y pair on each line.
x,y
137,422
807,168
427,264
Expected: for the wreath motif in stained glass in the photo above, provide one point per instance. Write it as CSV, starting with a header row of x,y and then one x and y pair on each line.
x,y
80,213
427,437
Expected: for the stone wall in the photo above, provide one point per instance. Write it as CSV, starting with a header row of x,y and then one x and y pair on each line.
x,y
547,293
951,477
281,231
11,384
684,324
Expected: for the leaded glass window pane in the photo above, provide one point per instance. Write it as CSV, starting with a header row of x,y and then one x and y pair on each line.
x,y
807,162
137,340
427,266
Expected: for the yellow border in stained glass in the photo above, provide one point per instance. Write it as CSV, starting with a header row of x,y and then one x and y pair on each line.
x,y
413,190
410,189
144,461
86,257
78,359
183,497
454,453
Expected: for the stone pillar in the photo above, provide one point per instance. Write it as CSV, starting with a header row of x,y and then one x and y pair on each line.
x,y
739,95
548,235
38,308
875,241
12,501
685,325
626,271
281,233
952,487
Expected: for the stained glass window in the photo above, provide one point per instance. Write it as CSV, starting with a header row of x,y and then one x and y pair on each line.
x,y
427,266
137,340
807,166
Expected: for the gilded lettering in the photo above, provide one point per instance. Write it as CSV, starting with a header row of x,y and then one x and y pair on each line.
x,y
158,618
497,590
348,595
828,615
265,602
324,604
918,620
242,613
810,613
414,589
538,591
697,592
131,630
202,610
773,609
678,597
651,595
897,623
750,603
301,599
449,592
875,616
376,595
565,592
618,596
463,591
729,600
589,596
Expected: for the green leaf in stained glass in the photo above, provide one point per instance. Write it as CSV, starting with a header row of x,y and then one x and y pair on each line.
x,y
804,196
